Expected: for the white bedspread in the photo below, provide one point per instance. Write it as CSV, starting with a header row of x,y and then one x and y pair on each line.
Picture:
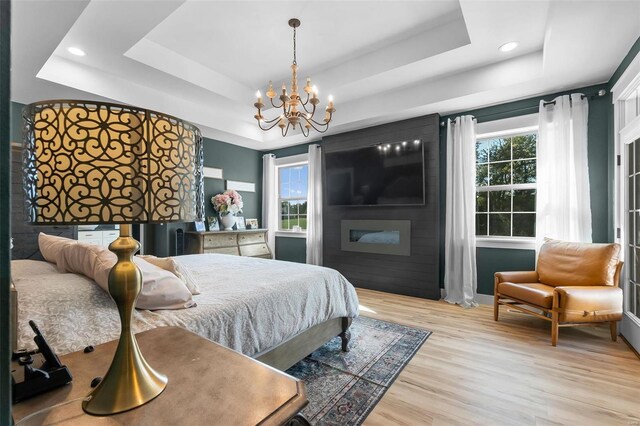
x,y
247,304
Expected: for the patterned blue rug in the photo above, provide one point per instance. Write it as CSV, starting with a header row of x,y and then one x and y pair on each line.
x,y
343,387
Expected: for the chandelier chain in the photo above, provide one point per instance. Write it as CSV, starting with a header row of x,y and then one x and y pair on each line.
x,y
294,46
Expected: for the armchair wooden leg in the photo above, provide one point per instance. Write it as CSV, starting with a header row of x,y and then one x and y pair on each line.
x,y
554,321
613,325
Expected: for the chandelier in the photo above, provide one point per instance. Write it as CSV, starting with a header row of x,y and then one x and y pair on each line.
x,y
295,111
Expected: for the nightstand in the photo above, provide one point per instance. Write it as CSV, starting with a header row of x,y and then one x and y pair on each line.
x,y
208,384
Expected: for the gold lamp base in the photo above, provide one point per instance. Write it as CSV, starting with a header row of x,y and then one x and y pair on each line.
x,y
130,381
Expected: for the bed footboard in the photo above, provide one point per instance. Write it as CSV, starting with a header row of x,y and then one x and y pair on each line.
x,y
301,345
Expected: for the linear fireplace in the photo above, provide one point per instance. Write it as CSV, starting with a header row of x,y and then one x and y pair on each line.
x,y
377,236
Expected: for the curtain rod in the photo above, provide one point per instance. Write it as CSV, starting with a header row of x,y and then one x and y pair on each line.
x,y
532,108
600,93
442,123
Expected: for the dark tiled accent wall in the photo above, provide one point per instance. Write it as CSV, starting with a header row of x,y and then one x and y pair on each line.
x,y
414,275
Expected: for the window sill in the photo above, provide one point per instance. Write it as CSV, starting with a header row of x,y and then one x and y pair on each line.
x,y
506,243
291,234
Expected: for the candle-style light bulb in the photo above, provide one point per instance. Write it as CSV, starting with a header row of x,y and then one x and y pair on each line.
x,y
315,91
259,96
330,101
270,93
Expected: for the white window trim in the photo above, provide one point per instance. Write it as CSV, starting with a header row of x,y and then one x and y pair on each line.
x,y
292,160
520,243
507,124
507,127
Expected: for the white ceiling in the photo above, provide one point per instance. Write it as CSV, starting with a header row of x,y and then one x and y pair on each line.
x,y
382,60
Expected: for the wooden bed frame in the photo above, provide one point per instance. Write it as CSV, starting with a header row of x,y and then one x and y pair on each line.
x,y
302,344
280,357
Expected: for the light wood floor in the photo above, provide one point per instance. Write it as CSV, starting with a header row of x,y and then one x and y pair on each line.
x,y
473,370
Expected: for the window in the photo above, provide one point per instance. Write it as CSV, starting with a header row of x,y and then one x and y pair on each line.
x,y
506,185
292,196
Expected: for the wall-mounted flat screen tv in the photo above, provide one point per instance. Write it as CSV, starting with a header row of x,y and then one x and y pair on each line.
x,y
388,174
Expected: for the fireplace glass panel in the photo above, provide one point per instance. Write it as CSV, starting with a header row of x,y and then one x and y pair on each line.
x,y
374,237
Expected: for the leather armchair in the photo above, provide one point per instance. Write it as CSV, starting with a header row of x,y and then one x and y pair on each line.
x,y
573,284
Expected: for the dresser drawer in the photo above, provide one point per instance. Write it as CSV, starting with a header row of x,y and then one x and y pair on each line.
x,y
91,235
252,238
109,236
223,250
222,240
254,250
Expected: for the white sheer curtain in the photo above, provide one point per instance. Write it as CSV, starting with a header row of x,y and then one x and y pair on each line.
x,y
460,278
269,201
563,201
314,207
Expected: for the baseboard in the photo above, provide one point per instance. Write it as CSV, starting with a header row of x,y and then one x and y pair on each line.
x,y
482,299
629,345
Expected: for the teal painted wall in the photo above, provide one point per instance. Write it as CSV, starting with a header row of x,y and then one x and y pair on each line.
x,y
633,52
600,155
237,163
291,249
492,260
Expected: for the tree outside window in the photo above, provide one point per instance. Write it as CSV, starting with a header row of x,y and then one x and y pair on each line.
x,y
506,186
292,196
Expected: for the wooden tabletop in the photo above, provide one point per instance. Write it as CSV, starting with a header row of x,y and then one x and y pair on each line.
x,y
208,384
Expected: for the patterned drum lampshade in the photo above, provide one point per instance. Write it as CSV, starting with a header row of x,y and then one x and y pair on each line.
x,y
90,162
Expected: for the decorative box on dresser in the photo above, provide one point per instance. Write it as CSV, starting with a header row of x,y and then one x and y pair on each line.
x,y
249,242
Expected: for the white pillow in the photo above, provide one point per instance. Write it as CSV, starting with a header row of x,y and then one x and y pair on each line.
x,y
160,289
51,248
170,264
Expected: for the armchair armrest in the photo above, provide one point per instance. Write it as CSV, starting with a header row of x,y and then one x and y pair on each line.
x,y
516,277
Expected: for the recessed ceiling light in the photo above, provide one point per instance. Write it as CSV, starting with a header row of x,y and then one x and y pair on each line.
x,y
76,51
508,47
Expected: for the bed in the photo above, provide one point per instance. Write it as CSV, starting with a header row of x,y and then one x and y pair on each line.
x,y
277,312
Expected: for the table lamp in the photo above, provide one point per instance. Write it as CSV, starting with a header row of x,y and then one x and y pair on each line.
x,y
101,163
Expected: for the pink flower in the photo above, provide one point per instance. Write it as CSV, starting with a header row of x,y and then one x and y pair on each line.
x,y
229,201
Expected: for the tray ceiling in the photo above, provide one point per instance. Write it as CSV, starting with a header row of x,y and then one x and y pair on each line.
x,y
382,60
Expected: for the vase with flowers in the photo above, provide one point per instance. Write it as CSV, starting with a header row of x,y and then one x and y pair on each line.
x,y
227,204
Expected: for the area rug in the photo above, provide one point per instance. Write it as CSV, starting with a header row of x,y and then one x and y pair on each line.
x,y
343,387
